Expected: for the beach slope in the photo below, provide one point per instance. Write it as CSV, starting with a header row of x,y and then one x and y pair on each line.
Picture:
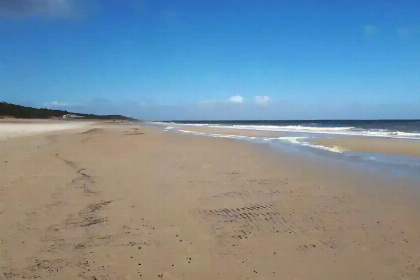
x,y
132,202
373,145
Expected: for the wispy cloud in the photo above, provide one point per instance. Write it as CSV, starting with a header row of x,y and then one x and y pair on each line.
x,y
370,30
403,32
262,100
169,15
55,104
49,8
236,99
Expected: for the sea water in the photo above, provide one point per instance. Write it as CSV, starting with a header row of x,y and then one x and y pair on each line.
x,y
297,137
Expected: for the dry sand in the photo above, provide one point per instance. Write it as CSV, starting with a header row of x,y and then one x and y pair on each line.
x,y
10,128
374,145
125,202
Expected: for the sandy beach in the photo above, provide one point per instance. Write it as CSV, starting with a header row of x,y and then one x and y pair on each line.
x,y
11,128
117,201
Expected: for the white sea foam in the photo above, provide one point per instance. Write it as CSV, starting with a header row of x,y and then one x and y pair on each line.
x,y
345,131
300,134
350,131
292,128
300,141
293,140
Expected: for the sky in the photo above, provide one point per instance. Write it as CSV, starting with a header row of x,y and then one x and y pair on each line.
x,y
199,59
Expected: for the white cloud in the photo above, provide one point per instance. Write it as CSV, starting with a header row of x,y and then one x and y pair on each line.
x,y
262,100
55,104
370,30
236,99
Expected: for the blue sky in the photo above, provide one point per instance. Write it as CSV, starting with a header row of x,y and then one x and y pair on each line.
x,y
238,59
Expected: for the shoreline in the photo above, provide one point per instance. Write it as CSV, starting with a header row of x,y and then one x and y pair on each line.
x,y
373,145
131,201
338,144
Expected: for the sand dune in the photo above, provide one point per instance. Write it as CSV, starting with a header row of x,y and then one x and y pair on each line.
x,y
16,128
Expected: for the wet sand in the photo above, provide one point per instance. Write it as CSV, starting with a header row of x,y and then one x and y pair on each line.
x,y
374,145
126,202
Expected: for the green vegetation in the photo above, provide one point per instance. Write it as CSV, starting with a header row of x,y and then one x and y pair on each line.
x,y
23,112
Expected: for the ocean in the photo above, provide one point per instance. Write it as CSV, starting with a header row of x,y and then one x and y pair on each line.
x,y
402,129
300,138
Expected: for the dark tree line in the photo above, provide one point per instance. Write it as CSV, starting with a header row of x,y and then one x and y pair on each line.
x,y
23,112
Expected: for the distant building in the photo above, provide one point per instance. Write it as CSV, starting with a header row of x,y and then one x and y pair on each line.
x,y
71,116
